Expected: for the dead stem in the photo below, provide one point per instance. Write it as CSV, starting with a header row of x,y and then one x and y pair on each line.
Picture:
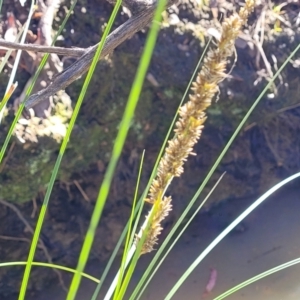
x,y
83,193
34,209
73,52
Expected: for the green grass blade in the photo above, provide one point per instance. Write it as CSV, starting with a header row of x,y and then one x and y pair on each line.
x,y
84,254
48,265
215,165
137,215
137,253
16,62
130,233
241,217
134,294
120,140
167,138
54,173
258,277
118,245
129,254
138,211
137,85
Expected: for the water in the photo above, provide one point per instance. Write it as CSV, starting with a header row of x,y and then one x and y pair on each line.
x,y
267,238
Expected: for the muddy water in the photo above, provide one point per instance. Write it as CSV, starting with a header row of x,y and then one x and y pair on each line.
x,y
267,238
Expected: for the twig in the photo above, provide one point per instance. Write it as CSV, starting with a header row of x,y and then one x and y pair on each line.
x,y
41,243
258,40
272,149
281,110
74,52
77,69
17,239
18,213
34,209
248,127
83,193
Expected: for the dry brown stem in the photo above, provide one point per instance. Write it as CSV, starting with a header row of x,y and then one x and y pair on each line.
x,y
136,23
74,52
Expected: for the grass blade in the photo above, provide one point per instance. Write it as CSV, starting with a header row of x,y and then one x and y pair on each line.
x,y
134,95
84,254
130,252
258,277
47,265
130,233
118,245
53,176
136,252
138,211
241,217
175,241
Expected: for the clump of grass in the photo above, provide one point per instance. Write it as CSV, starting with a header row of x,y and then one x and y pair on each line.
x,y
188,130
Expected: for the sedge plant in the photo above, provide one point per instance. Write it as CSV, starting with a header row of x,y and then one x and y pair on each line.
x,y
187,132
